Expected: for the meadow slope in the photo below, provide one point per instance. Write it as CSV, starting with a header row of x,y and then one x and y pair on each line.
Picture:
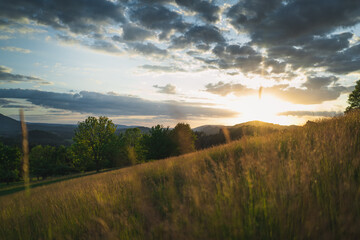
x,y
297,184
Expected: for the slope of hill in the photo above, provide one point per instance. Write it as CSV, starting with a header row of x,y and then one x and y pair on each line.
x,y
44,133
209,129
298,184
8,125
214,129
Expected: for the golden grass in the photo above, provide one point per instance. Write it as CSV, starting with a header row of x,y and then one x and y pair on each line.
x,y
298,184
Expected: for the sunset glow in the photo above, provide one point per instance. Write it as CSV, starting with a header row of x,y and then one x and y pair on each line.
x,y
143,63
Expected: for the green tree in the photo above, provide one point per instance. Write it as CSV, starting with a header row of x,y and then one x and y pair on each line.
x,y
354,98
183,138
10,163
157,143
63,161
91,142
42,163
130,148
133,145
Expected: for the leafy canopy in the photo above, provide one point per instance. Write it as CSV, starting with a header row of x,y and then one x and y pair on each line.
x,y
354,98
91,141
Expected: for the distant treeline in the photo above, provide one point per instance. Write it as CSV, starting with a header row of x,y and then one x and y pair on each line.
x,y
96,145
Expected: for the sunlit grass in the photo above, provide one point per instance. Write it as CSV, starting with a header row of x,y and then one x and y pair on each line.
x,y
298,184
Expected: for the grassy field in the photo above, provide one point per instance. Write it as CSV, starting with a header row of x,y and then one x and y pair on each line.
x,y
298,184
14,187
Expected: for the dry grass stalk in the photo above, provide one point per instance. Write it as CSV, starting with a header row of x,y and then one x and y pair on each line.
x,y
25,147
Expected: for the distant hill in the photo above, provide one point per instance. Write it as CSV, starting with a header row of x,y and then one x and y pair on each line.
x,y
214,129
45,133
8,125
212,135
209,129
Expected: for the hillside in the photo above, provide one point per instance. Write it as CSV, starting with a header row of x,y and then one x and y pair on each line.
x,y
44,133
8,125
299,184
215,129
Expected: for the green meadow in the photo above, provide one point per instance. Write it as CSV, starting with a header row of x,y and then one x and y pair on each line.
x,y
302,183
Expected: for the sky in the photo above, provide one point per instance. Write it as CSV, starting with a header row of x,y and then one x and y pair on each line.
x,y
148,62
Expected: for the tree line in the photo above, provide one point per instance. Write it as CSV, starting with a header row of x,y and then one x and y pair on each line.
x,y
96,146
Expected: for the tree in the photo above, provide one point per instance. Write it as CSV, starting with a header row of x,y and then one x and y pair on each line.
x,y
91,141
10,163
354,98
183,138
42,161
157,143
130,148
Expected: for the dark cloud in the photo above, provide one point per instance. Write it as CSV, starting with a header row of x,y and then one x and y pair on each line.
x,y
200,35
135,33
157,17
296,57
247,14
243,58
7,77
300,32
277,21
332,52
328,44
148,49
237,50
167,89
317,83
206,10
344,62
275,66
17,106
310,113
83,16
111,105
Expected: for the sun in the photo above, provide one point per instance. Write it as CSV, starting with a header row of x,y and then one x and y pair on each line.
x,y
266,108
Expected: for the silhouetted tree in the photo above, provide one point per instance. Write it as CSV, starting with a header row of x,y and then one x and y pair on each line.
x,y
10,163
91,141
354,98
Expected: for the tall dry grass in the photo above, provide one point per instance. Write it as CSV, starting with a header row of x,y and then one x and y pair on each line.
x,y
298,184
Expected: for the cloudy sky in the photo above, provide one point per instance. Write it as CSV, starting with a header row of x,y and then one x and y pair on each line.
x,y
144,62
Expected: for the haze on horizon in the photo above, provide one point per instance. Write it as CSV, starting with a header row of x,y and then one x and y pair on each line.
x,y
147,62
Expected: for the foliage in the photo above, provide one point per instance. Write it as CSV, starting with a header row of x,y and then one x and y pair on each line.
x,y
354,98
92,140
41,164
183,138
131,149
10,163
48,161
157,143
